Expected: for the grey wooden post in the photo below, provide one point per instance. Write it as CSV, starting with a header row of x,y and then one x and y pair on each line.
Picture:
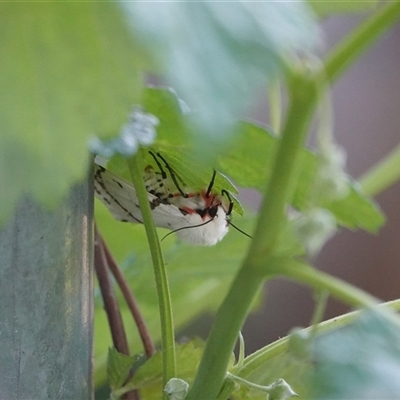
x,y
46,300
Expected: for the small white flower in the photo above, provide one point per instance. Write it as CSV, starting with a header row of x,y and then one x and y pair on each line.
x,y
141,126
139,130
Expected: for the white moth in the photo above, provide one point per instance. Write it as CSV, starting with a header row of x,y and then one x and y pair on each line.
x,y
199,218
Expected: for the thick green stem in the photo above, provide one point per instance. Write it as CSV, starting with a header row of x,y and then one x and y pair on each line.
x,y
164,297
234,309
223,336
303,94
359,40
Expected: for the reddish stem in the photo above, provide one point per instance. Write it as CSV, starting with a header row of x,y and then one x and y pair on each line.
x,y
130,299
111,306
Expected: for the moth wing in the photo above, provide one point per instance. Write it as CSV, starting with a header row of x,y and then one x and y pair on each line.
x,y
120,197
117,195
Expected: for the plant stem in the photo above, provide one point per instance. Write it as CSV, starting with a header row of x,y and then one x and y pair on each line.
x,y
234,309
109,299
343,291
303,94
248,384
354,44
148,344
262,356
382,175
321,299
164,296
312,277
275,107
111,306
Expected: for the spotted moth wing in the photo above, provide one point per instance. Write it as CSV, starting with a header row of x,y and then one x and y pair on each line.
x,y
120,198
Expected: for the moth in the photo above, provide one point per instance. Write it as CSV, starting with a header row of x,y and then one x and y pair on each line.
x,y
198,217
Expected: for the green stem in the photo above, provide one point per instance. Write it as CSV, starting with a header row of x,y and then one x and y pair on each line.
x,y
164,296
219,347
321,300
275,107
351,48
234,309
262,356
248,384
303,94
318,280
382,175
343,291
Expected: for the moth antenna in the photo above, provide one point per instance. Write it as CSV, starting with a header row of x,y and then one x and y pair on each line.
x,y
173,176
226,193
163,173
239,230
211,184
187,227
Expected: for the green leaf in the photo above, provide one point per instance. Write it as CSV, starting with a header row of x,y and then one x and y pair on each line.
x,y
118,367
171,111
325,8
69,73
359,362
148,377
248,161
216,55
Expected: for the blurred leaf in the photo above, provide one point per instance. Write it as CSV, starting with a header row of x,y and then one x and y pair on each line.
x,y
248,160
361,361
199,277
324,8
69,73
357,210
118,367
216,55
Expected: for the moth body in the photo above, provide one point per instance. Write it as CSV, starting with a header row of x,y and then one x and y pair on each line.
x,y
199,218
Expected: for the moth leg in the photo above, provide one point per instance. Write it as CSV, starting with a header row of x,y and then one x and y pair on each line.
x,y
230,208
211,184
173,176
